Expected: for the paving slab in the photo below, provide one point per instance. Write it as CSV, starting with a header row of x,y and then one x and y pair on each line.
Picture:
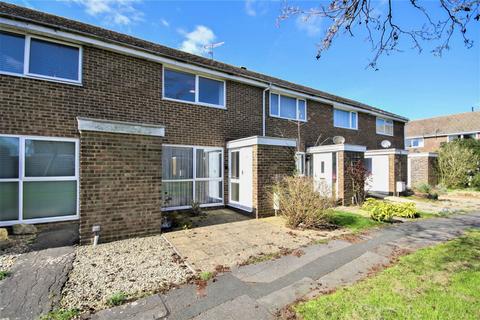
x,y
149,308
287,295
35,284
240,308
272,270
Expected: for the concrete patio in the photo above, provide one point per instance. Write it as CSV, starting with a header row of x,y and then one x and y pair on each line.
x,y
230,244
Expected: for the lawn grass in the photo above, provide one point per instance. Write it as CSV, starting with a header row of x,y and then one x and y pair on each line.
x,y
440,282
354,222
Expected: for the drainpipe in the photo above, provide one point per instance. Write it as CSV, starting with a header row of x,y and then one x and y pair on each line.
x,y
263,110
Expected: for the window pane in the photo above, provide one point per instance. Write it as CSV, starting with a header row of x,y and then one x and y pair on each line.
x,y
302,112
49,158
288,107
8,157
208,192
274,104
234,162
178,193
8,201
389,128
380,125
354,120
341,118
54,59
179,85
235,191
12,48
177,163
209,163
42,199
210,91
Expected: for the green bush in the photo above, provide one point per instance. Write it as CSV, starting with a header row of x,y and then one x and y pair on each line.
x,y
385,211
458,162
117,299
475,182
424,188
61,314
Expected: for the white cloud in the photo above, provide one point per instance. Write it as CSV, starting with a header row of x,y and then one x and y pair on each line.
x,y
310,24
165,23
196,40
249,8
120,12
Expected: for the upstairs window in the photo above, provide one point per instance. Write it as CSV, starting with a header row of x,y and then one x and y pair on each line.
x,y
287,107
385,126
414,143
34,57
189,87
345,119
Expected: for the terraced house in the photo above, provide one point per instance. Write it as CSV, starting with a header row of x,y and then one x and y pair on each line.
x,y
101,128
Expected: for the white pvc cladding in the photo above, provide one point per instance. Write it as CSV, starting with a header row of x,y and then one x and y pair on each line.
x,y
110,126
259,140
129,50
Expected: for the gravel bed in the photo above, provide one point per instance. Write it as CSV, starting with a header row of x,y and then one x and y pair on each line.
x,y
136,267
17,246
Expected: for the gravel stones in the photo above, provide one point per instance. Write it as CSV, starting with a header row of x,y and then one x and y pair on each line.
x,y
136,267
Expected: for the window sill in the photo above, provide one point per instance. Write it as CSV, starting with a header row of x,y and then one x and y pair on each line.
x,y
207,205
356,129
284,118
28,76
196,103
39,220
385,134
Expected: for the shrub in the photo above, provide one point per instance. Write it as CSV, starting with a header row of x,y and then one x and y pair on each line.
x,y
424,188
304,204
475,182
457,162
385,211
205,275
117,299
60,314
358,175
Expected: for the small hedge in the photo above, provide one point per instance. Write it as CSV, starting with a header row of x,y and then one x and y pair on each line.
x,y
385,211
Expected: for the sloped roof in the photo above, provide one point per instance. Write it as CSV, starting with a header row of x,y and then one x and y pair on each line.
x,y
443,125
14,12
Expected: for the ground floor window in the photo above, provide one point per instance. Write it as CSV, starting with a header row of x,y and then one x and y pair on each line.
x,y
192,175
38,179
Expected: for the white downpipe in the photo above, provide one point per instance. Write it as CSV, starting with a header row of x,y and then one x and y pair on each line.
x,y
95,240
264,111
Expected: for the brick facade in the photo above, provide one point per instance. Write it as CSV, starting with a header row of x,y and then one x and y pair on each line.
x,y
397,170
120,175
344,181
423,169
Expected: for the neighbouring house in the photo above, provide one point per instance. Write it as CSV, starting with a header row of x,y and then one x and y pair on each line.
x,y
103,129
423,138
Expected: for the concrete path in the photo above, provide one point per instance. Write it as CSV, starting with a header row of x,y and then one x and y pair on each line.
x,y
259,291
35,284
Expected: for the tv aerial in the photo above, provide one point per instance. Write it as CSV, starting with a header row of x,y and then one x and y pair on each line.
x,y
209,47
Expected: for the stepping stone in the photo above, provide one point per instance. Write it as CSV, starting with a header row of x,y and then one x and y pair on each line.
x,y
272,270
150,308
287,295
240,308
39,276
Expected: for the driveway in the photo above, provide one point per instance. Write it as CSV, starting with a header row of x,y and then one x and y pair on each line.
x,y
231,244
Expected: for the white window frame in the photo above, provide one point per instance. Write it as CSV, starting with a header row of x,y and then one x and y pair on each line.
x,y
302,156
26,60
462,135
385,121
349,118
194,178
420,144
22,178
197,88
279,107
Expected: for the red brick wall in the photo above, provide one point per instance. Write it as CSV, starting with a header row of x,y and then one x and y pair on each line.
x,y
397,170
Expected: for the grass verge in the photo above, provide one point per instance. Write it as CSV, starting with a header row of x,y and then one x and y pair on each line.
x,y
354,222
440,282
60,314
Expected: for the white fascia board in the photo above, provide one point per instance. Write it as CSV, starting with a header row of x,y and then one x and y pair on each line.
x,y
443,134
259,140
100,125
385,152
337,147
422,154
36,29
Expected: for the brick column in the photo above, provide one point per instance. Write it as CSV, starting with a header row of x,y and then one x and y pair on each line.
x,y
422,168
344,182
397,170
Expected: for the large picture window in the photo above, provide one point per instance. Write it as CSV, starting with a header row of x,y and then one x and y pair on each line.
x,y
385,126
287,107
30,56
189,87
192,174
38,179
345,119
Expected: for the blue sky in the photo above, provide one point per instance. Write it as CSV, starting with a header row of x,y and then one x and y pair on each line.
x,y
413,85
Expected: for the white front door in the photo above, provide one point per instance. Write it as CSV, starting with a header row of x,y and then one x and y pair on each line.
x,y
380,174
241,178
323,172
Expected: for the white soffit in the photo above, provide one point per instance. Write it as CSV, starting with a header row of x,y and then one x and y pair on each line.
x,y
259,140
337,147
101,125
422,154
379,152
